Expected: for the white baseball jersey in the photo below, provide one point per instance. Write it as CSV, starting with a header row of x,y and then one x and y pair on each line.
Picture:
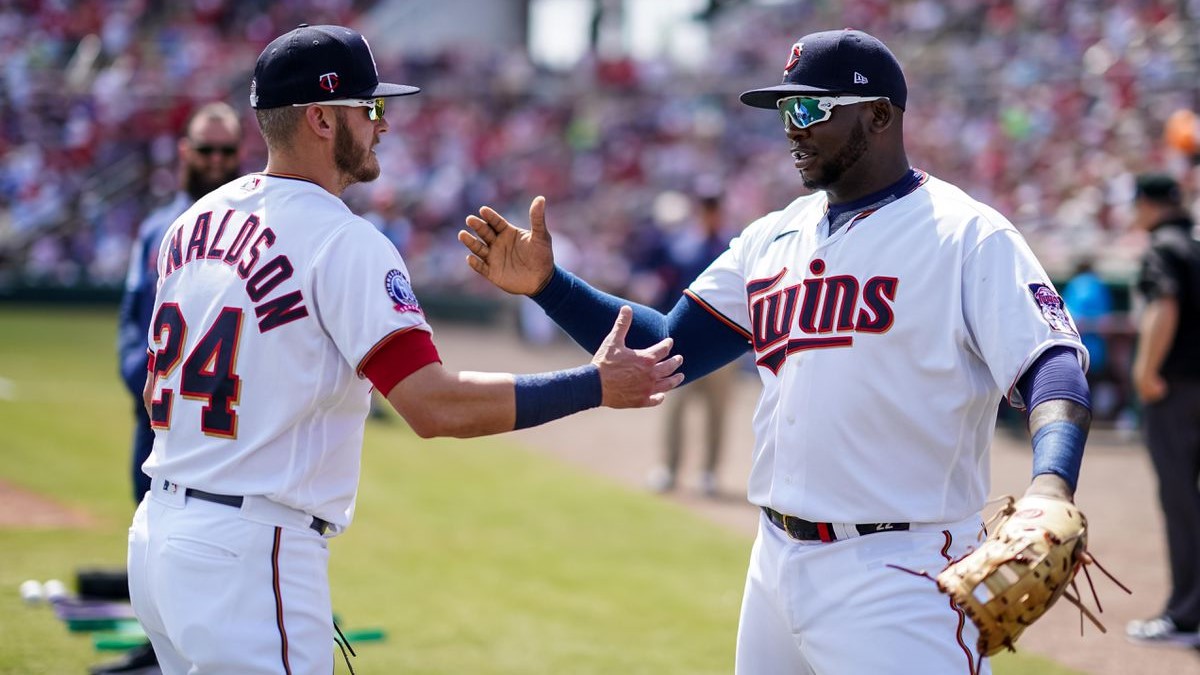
x,y
884,351
271,295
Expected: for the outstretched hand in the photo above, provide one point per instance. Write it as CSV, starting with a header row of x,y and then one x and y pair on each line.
x,y
517,260
635,378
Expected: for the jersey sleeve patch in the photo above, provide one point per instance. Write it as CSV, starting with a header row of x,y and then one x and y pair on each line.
x,y
1052,308
400,291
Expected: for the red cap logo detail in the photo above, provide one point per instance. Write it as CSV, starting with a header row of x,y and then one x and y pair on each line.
x,y
794,57
329,81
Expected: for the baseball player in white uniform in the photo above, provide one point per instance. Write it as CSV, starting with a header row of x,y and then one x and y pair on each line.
x,y
888,313
277,311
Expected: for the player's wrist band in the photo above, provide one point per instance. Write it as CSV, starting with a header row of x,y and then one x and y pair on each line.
x,y
1058,449
543,397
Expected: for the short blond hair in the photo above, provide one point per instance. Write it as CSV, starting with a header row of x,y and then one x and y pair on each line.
x,y
278,125
218,111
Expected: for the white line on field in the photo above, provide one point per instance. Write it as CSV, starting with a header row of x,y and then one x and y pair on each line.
x,y
8,390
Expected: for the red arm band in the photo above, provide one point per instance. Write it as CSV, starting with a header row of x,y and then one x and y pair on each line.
x,y
398,356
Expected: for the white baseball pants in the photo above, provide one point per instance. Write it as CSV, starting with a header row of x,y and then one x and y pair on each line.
x,y
220,589
814,608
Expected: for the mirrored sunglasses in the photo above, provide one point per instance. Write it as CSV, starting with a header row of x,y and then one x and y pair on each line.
x,y
805,111
375,106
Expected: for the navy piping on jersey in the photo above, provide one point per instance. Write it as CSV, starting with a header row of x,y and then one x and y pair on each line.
x,y
912,180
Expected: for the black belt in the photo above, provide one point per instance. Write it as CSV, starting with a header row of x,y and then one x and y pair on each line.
x,y
318,525
804,530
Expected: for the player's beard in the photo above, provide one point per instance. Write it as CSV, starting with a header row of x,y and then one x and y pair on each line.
x,y
197,181
830,172
356,162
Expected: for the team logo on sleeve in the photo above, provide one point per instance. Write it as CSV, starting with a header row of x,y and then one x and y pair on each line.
x,y
401,293
1052,308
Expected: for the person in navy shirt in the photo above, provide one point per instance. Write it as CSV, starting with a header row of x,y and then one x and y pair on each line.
x,y
209,157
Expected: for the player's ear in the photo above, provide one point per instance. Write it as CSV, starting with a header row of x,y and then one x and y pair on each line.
x,y
883,115
320,119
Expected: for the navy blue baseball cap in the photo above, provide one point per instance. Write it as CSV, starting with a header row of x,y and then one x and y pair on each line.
x,y
847,62
312,64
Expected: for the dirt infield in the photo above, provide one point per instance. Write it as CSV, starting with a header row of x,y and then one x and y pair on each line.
x,y
19,507
1117,492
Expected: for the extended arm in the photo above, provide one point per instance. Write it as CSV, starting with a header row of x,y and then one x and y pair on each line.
x,y
704,342
521,261
440,402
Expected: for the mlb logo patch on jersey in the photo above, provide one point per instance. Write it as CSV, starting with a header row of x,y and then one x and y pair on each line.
x,y
1052,308
401,293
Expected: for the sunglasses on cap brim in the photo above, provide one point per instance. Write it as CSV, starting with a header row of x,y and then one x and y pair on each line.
x,y
805,111
375,106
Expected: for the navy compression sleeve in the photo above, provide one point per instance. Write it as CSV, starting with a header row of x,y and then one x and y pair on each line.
x,y
1055,374
587,315
1057,446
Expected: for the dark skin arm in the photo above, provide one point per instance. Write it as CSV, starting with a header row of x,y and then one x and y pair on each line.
x,y
1047,412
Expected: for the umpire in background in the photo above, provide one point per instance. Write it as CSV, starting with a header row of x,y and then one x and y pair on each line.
x,y
1166,375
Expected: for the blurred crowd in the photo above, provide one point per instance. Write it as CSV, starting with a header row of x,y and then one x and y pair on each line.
x,y
1043,108
95,94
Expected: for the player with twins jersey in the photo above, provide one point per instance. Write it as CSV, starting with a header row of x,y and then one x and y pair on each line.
x,y
888,313
277,310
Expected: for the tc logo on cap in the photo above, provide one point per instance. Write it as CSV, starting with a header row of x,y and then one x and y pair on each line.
x,y
329,81
794,58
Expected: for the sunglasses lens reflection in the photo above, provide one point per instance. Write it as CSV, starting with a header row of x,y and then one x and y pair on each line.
x,y
375,112
802,111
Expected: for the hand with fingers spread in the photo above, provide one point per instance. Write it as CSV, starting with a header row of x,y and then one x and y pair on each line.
x,y
517,260
635,378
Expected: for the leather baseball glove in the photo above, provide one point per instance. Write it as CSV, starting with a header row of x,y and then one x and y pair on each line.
x,y
1020,570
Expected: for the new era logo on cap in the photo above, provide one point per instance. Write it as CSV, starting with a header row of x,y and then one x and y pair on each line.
x,y
859,78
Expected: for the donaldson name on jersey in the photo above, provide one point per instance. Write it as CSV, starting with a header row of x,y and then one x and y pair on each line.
x,y
242,247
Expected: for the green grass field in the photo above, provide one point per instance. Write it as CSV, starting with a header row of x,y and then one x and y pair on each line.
x,y
474,556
